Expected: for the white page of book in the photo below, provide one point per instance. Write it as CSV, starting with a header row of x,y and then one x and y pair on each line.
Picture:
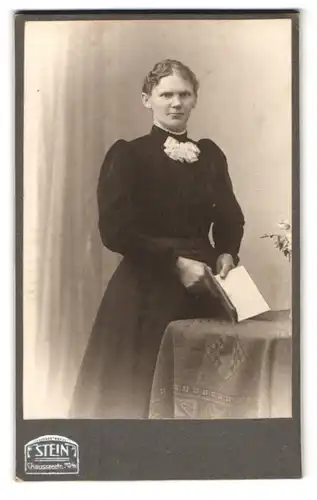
x,y
243,293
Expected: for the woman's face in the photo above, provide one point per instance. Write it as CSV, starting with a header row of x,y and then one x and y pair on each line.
x,y
171,101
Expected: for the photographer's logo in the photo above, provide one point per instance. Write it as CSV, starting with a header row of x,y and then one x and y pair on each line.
x,y
51,455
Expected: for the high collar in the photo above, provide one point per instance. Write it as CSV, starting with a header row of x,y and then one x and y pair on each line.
x,y
162,134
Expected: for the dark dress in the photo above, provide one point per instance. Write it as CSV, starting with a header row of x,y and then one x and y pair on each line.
x,y
152,209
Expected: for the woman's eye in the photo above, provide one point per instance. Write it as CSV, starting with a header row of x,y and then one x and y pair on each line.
x,y
182,95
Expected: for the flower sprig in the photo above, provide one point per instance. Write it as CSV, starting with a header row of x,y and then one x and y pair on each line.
x,y
283,239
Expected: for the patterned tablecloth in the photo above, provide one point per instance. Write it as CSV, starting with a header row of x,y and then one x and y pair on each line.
x,y
208,369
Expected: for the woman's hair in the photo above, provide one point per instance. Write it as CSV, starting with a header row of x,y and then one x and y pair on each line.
x,y
167,68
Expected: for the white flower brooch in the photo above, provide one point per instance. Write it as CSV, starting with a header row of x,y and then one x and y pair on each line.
x,y
181,151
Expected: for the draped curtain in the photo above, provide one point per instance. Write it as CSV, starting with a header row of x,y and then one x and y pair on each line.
x,y
66,268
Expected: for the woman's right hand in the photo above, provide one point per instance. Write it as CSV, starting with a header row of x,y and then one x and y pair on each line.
x,y
192,273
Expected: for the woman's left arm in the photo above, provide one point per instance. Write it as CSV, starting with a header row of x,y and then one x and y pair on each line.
x,y
228,226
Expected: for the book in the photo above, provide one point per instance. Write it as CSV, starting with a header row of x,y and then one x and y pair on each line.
x,y
239,294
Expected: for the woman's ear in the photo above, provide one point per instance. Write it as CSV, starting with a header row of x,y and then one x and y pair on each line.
x,y
146,99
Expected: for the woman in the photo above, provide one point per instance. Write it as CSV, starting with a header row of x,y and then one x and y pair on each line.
x,y
158,196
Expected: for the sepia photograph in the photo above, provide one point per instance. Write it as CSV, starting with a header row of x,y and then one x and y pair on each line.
x,y
157,184
157,202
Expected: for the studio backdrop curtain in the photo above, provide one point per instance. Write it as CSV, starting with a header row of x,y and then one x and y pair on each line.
x,y
65,266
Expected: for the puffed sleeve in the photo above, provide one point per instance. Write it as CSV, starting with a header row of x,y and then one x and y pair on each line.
x,y
229,221
118,224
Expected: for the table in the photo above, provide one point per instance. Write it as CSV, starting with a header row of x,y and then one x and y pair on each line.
x,y
212,369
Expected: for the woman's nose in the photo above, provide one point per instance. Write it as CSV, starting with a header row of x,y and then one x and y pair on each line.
x,y
176,102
